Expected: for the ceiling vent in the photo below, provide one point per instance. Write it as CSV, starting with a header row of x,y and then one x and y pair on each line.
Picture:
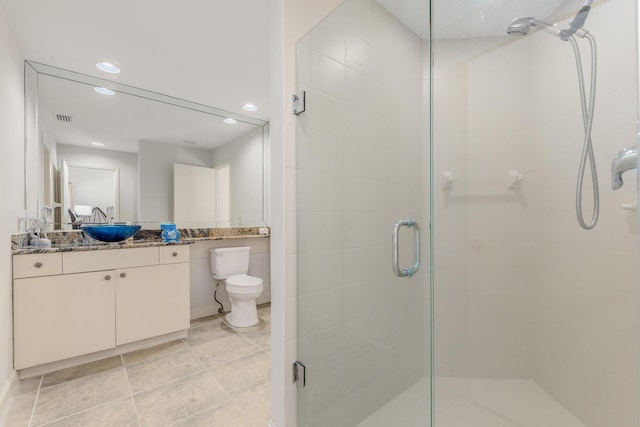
x,y
63,118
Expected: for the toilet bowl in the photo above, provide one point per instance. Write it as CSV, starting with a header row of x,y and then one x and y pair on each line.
x,y
231,265
243,291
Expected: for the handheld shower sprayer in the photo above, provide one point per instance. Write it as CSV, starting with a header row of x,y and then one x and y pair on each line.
x,y
522,27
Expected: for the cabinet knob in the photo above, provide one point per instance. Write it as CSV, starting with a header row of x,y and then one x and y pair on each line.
x,y
123,274
107,277
37,265
175,254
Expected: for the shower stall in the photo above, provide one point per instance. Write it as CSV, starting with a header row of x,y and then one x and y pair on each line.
x,y
462,257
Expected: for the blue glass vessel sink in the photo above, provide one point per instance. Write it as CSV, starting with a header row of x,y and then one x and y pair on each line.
x,y
111,233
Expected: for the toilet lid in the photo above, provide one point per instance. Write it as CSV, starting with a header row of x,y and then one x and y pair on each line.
x,y
243,280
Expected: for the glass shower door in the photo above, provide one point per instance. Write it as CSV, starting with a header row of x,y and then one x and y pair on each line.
x,y
361,167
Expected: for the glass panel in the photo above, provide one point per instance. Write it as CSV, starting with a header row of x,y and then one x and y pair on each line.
x,y
361,156
535,318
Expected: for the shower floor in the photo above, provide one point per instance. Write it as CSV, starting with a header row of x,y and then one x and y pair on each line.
x,y
474,402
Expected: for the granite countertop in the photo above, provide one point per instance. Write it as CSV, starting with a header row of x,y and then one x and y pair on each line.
x,y
75,241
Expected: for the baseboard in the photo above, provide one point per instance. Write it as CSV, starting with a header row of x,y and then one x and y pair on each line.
x,y
210,310
6,392
92,357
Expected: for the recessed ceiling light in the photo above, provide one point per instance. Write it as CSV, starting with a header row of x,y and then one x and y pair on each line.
x,y
104,91
108,67
249,107
98,144
230,121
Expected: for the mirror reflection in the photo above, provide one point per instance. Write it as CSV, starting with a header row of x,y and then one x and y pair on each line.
x,y
129,155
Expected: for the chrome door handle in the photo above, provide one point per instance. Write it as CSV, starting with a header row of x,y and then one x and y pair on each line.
x,y
410,271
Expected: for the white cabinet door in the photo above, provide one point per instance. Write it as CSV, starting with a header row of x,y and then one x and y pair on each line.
x,y
57,317
151,301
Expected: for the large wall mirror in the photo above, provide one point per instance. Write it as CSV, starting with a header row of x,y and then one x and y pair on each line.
x,y
99,147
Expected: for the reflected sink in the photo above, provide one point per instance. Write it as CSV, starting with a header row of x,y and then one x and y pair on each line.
x,y
111,232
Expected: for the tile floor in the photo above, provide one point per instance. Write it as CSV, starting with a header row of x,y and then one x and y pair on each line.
x,y
217,376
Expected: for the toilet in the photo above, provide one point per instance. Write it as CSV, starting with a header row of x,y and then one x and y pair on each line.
x,y
231,265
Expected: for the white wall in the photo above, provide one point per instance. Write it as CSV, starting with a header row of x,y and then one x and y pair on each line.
x,y
11,176
127,163
155,169
93,187
202,283
244,155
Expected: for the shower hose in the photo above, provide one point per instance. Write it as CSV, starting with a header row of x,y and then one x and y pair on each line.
x,y
587,147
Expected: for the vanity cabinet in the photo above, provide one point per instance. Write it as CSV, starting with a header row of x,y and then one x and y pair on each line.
x,y
62,316
76,303
151,301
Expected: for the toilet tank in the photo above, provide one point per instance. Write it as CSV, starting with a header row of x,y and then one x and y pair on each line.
x,y
226,262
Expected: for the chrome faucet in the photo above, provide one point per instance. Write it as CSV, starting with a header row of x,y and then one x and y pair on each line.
x,y
625,160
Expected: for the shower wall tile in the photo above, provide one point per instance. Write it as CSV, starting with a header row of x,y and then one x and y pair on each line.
x,y
290,180
320,271
307,55
320,311
358,54
320,231
291,276
290,312
451,334
321,152
361,91
319,191
365,263
290,233
328,113
449,224
332,43
331,77
585,294
491,218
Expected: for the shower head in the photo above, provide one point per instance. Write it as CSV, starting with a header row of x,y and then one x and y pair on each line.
x,y
522,27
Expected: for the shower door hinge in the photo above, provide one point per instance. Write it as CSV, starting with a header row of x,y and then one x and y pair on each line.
x,y
299,373
299,103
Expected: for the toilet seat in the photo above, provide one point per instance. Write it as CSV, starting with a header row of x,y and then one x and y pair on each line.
x,y
243,284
